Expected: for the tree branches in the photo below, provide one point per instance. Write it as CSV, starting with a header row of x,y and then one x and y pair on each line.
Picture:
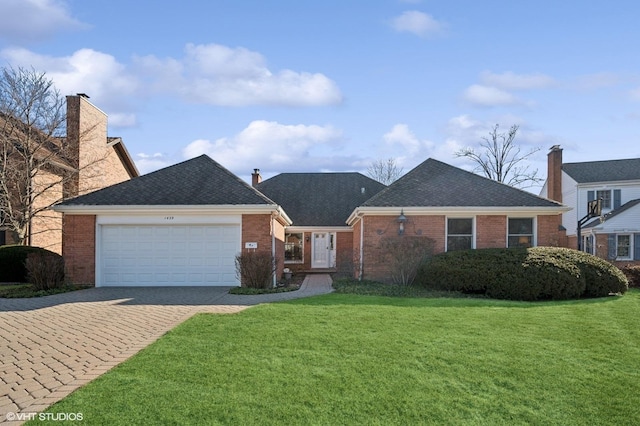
x,y
500,159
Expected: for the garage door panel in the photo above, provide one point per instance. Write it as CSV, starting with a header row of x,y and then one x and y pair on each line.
x,y
147,255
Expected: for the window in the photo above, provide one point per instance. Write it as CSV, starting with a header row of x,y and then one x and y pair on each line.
x,y
623,246
293,247
459,234
520,232
605,196
588,244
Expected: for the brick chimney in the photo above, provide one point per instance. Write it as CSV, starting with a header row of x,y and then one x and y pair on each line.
x,y
256,178
554,174
87,143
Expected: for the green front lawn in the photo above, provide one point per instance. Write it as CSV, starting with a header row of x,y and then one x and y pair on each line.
x,y
348,359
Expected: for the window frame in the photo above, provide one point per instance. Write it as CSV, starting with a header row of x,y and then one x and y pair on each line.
x,y
293,245
607,201
472,235
630,246
533,236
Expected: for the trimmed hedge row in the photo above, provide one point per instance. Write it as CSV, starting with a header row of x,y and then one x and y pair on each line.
x,y
13,262
537,273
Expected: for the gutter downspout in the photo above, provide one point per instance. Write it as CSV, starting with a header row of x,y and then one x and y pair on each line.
x,y
273,250
361,271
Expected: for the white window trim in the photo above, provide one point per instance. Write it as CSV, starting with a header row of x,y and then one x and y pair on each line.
x,y
293,262
446,230
534,225
630,257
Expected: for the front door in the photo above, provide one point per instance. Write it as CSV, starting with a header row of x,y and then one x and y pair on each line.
x,y
320,255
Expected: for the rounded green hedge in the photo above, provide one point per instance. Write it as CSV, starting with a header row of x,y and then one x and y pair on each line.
x,y
537,273
12,262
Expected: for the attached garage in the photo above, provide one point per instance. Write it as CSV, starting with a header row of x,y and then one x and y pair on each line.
x,y
179,226
167,255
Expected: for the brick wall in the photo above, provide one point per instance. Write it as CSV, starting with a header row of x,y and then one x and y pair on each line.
x,y
548,232
256,228
46,226
491,231
378,227
79,248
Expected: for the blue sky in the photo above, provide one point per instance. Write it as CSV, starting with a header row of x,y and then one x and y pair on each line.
x,y
296,86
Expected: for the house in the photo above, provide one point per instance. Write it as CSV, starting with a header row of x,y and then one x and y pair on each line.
x,y
616,234
94,161
319,205
184,224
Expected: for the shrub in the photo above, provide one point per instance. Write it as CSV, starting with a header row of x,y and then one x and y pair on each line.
x,y
633,275
255,269
12,262
538,273
45,271
405,255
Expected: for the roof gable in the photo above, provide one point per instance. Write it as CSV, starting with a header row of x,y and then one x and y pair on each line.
x,y
437,184
199,181
319,199
604,171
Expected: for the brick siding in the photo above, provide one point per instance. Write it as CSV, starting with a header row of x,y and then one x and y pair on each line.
x,y
256,228
79,248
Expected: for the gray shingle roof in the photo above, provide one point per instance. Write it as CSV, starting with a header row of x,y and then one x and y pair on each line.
x,y
613,213
199,181
604,171
319,199
436,184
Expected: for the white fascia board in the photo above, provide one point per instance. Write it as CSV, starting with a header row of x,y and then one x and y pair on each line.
x,y
608,184
172,209
450,210
318,229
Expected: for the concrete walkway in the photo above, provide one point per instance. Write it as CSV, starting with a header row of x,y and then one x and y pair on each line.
x,y
51,346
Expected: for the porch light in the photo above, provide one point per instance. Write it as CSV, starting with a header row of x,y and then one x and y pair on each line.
x,y
402,219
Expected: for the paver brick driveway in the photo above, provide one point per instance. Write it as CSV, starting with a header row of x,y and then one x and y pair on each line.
x,y
52,345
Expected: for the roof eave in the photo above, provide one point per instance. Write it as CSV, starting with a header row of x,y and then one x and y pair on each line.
x,y
475,210
184,209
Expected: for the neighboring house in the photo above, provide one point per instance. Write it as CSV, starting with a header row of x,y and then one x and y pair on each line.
x,y
184,225
319,205
617,184
95,160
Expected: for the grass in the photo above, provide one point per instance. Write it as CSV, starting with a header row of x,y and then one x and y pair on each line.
x,y
349,359
27,290
376,288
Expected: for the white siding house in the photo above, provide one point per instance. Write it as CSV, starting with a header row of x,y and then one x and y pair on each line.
x,y
617,184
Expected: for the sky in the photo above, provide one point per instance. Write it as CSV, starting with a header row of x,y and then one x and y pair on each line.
x,y
334,85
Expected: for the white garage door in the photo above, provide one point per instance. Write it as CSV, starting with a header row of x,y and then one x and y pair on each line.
x,y
146,255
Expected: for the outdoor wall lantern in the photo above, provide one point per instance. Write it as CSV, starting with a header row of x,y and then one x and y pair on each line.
x,y
402,219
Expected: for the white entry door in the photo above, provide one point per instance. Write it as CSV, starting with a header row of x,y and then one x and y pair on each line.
x,y
320,250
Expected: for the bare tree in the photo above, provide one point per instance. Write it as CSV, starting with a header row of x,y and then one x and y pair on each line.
x,y
385,171
37,167
501,159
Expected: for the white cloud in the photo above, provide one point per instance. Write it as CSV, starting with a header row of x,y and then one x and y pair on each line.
x,y
220,75
149,162
511,81
480,95
31,20
101,76
418,23
267,145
